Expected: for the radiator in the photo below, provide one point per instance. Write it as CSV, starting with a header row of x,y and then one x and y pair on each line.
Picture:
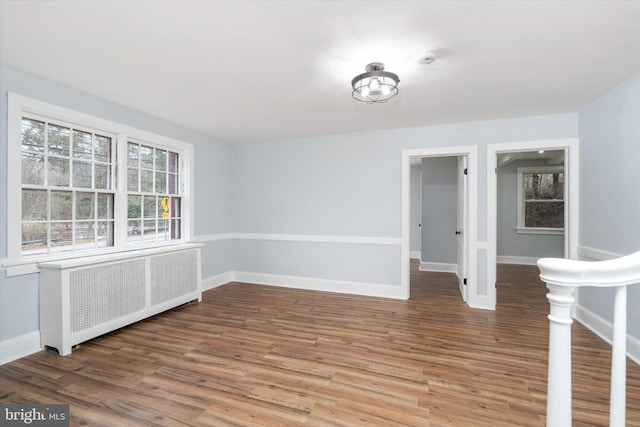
x,y
83,298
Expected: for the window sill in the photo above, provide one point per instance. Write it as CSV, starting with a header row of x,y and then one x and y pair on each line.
x,y
24,266
541,230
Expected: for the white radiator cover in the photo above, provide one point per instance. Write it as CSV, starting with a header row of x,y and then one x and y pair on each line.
x,y
83,298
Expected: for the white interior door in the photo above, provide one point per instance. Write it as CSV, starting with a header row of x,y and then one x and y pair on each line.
x,y
461,235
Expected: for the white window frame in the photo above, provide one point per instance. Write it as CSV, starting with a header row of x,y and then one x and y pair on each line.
x,y
18,106
521,228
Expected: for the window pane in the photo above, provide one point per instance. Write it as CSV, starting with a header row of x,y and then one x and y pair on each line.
x,y
133,154
81,174
32,135
61,237
163,230
58,141
161,182
544,214
134,230
61,205
32,169
175,229
175,207
149,230
146,181
58,172
163,207
105,234
150,203
34,205
85,235
134,205
173,184
105,206
161,160
82,145
146,157
132,180
85,205
543,186
34,238
173,162
102,149
103,177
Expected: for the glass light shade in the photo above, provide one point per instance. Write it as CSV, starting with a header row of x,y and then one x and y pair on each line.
x,y
376,85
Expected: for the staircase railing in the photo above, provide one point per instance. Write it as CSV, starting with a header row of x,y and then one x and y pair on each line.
x,y
563,276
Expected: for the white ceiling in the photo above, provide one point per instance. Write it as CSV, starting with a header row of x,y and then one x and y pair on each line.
x,y
261,70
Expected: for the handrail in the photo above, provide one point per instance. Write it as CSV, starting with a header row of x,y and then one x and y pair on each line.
x,y
563,276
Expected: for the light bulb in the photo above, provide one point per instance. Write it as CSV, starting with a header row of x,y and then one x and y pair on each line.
x,y
375,84
365,91
385,90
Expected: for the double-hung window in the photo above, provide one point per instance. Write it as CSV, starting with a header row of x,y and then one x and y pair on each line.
x,y
541,200
79,185
67,187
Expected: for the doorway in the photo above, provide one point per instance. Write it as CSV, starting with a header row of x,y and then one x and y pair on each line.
x,y
465,218
569,149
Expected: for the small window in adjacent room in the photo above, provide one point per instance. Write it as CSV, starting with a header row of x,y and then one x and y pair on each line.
x,y
541,200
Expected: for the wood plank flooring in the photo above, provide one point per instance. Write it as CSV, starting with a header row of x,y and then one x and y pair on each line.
x,y
253,355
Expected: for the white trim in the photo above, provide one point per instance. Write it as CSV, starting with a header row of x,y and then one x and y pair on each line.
x,y
415,255
471,151
217,280
324,285
604,330
440,267
596,254
540,230
204,238
20,346
571,171
520,260
309,238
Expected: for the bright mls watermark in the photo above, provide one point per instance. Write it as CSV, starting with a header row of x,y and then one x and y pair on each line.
x,y
34,415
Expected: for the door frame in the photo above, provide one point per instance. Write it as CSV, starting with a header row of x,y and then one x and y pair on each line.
x,y
462,200
571,168
471,151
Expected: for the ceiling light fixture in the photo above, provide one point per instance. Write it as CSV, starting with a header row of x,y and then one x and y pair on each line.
x,y
376,85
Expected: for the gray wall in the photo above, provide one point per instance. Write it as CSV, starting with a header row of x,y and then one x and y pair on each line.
x,y
439,209
350,185
509,242
19,294
610,188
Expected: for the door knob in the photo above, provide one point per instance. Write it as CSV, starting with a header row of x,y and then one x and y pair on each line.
x,y
457,233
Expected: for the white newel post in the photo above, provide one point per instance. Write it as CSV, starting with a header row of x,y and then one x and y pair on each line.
x,y
619,359
563,276
561,300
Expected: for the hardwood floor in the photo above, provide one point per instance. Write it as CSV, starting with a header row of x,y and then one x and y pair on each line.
x,y
253,355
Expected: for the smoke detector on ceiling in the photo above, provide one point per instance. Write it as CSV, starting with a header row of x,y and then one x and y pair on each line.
x,y
427,58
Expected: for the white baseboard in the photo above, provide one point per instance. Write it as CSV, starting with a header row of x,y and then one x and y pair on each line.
x,y
415,255
21,346
325,285
604,330
438,267
218,280
521,260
